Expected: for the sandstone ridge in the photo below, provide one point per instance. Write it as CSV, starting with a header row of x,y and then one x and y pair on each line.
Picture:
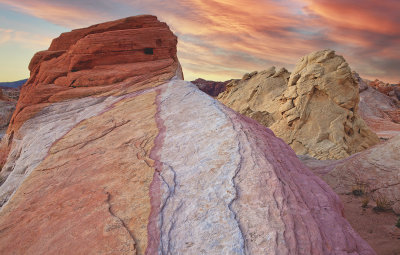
x,y
314,109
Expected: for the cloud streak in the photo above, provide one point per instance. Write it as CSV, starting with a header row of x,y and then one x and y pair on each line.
x,y
24,38
221,39
69,14
367,31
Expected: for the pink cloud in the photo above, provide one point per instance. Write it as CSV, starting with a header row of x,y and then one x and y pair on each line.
x,y
59,12
221,39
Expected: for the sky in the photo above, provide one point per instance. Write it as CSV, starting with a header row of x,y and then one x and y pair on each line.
x,y
221,39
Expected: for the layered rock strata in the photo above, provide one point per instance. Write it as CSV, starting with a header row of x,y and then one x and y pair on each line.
x,y
90,61
155,166
314,109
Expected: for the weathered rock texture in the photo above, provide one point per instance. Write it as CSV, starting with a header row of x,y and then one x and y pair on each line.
x,y
212,88
314,109
380,112
158,167
90,61
376,171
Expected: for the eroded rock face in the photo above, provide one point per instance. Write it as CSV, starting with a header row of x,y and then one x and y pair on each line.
x,y
376,171
257,95
159,167
314,109
380,112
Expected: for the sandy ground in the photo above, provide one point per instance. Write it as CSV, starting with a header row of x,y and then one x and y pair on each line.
x,y
377,228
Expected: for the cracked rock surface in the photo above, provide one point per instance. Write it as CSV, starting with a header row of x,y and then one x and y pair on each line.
x,y
314,109
158,167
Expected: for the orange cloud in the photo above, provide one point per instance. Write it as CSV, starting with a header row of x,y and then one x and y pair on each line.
x,y
367,31
59,12
371,15
263,33
237,35
222,39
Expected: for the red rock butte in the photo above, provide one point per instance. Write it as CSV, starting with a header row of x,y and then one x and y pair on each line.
x,y
111,152
110,58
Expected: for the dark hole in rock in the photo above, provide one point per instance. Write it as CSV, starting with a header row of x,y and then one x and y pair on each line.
x,y
148,51
10,138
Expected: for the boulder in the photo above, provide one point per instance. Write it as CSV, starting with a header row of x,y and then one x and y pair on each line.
x,y
152,165
314,109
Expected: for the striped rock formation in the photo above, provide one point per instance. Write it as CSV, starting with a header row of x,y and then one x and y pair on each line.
x,y
152,165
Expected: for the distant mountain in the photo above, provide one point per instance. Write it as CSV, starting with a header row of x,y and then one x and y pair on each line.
x,y
13,84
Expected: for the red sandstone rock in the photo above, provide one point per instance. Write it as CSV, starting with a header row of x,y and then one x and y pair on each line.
x,y
385,88
66,40
145,48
